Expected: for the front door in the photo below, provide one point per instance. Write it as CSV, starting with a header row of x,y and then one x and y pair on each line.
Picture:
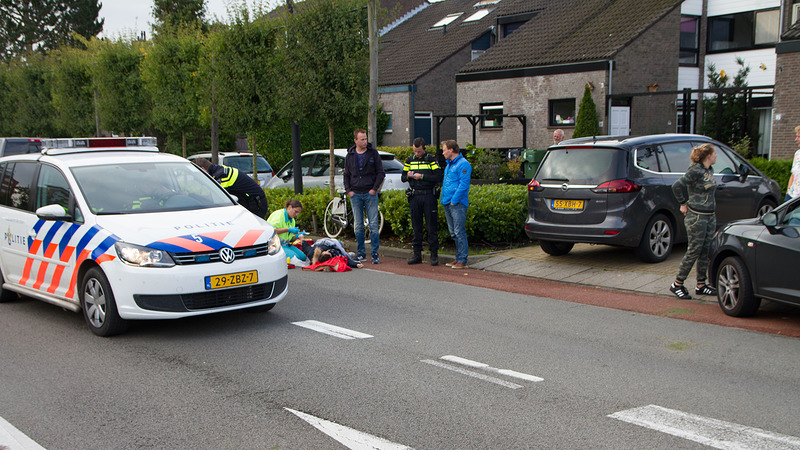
x,y
620,121
423,126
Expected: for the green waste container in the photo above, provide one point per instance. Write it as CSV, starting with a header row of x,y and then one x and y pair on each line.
x,y
531,158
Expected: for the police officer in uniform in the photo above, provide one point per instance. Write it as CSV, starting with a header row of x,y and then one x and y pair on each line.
x,y
247,191
424,175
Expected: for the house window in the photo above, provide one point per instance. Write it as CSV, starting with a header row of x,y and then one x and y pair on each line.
x,y
478,15
447,20
492,111
562,112
509,28
388,122
689,40
767,24
795,11
743,31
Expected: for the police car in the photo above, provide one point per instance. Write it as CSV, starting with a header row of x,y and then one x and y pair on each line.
x,y
119,231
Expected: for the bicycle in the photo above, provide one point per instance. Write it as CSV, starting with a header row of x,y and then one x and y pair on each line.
x,y
339,216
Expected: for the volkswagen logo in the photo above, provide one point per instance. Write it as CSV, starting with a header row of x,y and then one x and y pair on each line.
x,y
226,255
564,187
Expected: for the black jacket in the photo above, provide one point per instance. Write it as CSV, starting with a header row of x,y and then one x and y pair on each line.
x,y
367,177
432,174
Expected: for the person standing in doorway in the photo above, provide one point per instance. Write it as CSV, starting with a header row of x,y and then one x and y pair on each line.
x,y
695,192
423,174
363,177
455,199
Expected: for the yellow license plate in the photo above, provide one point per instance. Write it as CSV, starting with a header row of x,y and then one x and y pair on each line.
x,y
232,279
567,204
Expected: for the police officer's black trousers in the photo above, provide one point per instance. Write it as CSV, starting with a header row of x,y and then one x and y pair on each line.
x,y
425,206
256,204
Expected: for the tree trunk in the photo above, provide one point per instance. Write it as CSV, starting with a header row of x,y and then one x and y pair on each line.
x,y
183,143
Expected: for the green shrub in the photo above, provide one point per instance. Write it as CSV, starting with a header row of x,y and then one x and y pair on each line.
x,y
777,169
396,213
402,153
587,122
496,214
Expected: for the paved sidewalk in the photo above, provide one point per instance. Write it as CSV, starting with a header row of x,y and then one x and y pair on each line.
x,y
592,265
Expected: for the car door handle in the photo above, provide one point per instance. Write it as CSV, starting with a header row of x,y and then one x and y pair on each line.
x,y
720,186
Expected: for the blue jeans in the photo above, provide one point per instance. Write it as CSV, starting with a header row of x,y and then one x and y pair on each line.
x,y
359,202
457,224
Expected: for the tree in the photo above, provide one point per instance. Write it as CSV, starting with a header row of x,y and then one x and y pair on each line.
x,y
327,64
123,103
170,73
587,123
173,14
32,112
80,18
73,92
42,25
725,116
246,70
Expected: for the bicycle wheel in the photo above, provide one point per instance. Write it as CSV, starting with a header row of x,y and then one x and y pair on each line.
x,y
366,225
335,220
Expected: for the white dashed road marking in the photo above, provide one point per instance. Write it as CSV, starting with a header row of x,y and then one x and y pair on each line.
x,y
348,437
482,366
13,439
479,365
333,330
712,432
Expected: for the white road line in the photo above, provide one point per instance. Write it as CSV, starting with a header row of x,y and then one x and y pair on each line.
x,y
472,374
480,365
13,439
712,432
333,330
348,437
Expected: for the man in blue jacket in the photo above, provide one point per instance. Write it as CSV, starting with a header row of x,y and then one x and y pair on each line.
x,y
455,199
363,177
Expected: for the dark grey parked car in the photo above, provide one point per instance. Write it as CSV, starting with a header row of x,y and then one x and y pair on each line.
x,y
617,191
757,258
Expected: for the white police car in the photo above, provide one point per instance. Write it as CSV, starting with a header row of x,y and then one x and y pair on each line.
x,y
114,228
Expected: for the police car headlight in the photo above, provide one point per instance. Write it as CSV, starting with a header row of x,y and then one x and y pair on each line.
x,y
136,255
274,245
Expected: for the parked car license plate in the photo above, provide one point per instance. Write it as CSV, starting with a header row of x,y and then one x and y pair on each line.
x,y
567,204
232,279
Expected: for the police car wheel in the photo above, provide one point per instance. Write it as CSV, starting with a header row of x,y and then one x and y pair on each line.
x,y
5,294
98,305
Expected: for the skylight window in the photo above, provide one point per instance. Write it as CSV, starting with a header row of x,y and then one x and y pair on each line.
x,y
486,3
447,20
478,15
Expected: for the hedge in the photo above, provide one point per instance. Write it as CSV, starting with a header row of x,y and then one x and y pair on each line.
x,y
777,169
496,213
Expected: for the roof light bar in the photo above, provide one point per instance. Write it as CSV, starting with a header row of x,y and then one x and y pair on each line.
x,y
71,145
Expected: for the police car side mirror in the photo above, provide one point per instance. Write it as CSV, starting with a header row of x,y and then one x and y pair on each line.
x,y
53,212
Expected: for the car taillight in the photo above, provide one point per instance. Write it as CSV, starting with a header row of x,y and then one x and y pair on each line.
x,y
616,187
534,185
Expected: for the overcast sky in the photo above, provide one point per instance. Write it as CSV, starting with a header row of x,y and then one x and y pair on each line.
x,y
130,17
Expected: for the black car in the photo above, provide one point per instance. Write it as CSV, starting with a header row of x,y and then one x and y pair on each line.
x,y
757,258
618,191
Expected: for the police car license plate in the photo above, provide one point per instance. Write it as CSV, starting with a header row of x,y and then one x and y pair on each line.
x,y
567,204
232,279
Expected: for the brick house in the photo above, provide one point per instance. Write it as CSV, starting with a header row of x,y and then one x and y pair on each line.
x,y
527,57
534,57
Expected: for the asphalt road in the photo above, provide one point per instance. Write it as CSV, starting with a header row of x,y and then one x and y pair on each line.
x,y
416,362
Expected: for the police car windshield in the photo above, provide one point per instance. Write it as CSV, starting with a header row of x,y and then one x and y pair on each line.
x,y
131,188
